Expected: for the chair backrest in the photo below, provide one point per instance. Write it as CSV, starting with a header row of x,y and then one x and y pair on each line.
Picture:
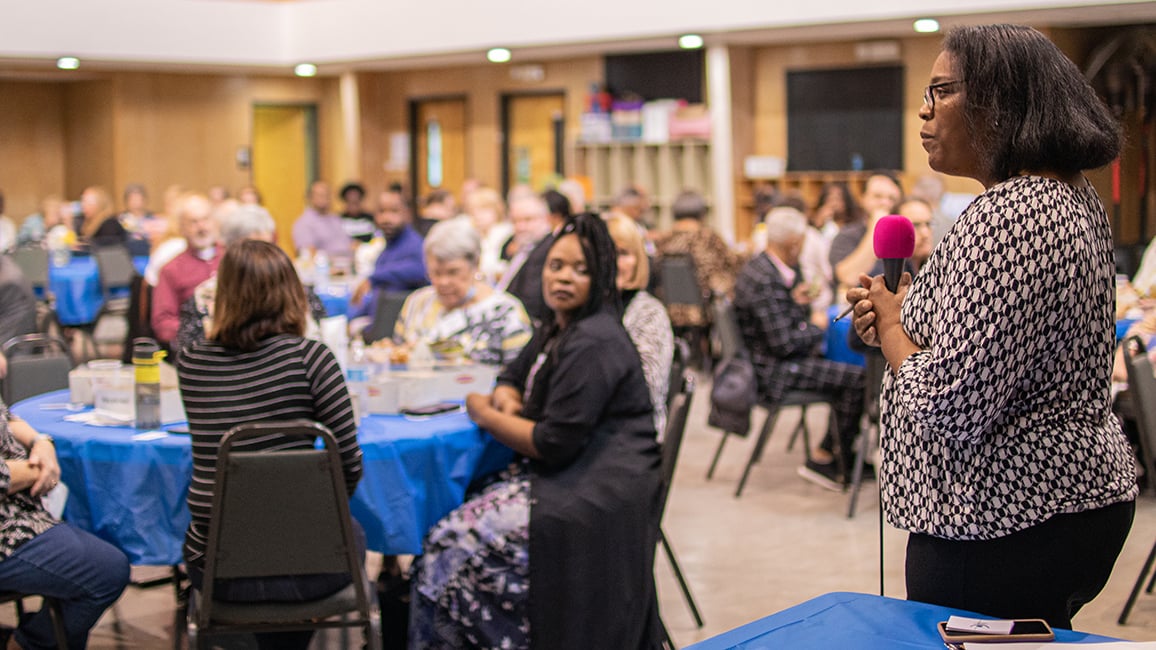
x,y
279,512
115,268
388,307
37,364
1142,388
33,263
676,419
678,365
726,325
680,282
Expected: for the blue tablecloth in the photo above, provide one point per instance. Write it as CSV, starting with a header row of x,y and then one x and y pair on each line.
x,y
132,492
837,331
849,620
77,289
335,299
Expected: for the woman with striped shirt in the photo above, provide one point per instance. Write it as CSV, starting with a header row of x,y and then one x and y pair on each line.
x,y
257,366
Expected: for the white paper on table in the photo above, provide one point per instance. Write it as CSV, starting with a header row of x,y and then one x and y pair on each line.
x,y
100,418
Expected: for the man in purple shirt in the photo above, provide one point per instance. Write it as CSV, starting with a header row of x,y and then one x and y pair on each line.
x,y
318,229
401,266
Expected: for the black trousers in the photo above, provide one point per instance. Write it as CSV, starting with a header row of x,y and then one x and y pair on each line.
x,y
1048,571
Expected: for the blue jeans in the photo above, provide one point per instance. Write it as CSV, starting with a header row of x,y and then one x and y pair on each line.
x,y
86,574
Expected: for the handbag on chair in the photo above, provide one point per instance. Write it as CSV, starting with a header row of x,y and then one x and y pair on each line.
x,y
733,395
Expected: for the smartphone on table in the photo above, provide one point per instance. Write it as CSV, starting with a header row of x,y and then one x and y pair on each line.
x,y
419,412
1026,629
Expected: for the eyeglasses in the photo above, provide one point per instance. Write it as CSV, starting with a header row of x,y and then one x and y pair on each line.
x,y
933,91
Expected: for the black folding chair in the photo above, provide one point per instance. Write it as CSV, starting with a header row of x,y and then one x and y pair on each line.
x,y
679,287
731,340
677,416
281,513
1142,387
387,309
37,364
869,436
53,609
33,264
116,272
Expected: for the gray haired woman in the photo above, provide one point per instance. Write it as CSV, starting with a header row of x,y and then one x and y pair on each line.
x,y
459,315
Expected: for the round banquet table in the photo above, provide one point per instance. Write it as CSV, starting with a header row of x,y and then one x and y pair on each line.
x,y
128,486
76,287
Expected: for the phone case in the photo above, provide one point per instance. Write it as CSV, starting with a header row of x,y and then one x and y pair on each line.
x,y
431,410
965,637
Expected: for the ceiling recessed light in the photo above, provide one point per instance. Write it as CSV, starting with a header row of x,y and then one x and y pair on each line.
x,y
498,55
68,63
305,70
690,41
926,25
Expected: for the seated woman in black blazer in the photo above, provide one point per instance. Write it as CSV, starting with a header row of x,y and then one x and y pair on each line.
x,y
575,521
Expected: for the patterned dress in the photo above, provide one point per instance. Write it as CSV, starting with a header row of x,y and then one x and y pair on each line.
x,y
476,571
22,514
492,330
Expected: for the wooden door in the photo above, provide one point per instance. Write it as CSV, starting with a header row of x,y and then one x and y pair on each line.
x,y
535,125
284,162
439,137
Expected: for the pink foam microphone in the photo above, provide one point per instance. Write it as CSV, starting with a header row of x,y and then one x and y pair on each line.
x,y
894,243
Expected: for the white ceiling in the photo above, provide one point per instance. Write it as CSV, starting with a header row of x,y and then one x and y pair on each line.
x,y
373,34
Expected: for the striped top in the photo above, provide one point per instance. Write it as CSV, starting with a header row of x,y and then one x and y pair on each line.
x,y
285,378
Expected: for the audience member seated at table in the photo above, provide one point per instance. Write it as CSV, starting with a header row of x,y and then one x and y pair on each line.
x,y
180,277
836,208
7,229
358,223
487,211
459,315
255,356
436,206
35,227
237,224
531,219
773,308
99,226
715,264
400,267
166,240
18,311
571,567
643,316
318,229
853,250
39,554
142,225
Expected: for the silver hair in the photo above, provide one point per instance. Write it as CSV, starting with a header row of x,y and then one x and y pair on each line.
x,y
453,239
785,224
244,222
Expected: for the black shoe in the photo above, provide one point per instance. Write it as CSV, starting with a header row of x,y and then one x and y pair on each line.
x,y
825,475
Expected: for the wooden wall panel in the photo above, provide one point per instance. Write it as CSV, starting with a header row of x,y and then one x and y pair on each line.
x,y
32,142
88,137
385,96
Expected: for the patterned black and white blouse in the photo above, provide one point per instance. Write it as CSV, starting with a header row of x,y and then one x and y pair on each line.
x,y
1004,418
22,516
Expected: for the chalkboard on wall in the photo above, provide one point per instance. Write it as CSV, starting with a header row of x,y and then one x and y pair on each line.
x,y
845,119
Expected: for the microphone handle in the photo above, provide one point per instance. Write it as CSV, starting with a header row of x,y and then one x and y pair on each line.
x,y
892,272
